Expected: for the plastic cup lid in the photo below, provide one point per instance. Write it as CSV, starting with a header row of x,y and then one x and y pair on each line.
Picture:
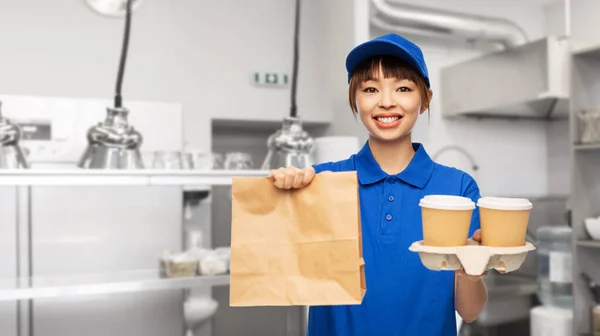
x,y
504,203
447,202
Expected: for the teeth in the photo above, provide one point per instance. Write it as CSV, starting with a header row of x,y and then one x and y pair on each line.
x,y
387,120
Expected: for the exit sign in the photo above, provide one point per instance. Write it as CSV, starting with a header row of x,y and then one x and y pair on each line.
x,y
271,79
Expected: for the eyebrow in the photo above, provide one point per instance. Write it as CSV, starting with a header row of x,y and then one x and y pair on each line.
x,y
376,79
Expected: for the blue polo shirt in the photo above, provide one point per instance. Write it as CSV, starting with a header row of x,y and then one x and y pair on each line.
x,y
403,297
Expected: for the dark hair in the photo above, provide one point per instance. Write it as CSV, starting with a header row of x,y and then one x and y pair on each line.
x,y
391,67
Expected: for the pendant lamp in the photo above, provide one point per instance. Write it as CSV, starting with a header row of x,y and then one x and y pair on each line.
x,y
11,153
291,145
113,143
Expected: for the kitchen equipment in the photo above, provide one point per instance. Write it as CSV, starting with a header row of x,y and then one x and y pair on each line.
x,y
112,7
113,144
551,321
590,126
554,277
92,227
11,153
289,146
538,70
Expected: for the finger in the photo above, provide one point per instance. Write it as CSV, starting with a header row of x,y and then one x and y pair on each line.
x,y
290,173
298,178
477,235
308,176
279,180
279,177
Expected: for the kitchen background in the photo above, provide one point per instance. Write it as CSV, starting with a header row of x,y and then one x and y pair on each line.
x,y
190,87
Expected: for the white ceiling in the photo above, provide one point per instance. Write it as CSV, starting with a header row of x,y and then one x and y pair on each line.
x,y
543,2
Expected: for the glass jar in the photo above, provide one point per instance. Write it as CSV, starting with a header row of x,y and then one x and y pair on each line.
x,y
238,161
217,160
168,160
554,276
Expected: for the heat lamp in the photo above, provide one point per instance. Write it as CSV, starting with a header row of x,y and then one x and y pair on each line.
x,y
11,154
291,145
113,143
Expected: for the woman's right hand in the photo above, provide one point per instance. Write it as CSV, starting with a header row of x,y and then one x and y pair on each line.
x,y
291,177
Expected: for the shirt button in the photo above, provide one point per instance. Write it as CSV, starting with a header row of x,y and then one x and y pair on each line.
x,y
388,217
392,180
391,198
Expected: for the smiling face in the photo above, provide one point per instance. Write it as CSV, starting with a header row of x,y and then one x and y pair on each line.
x,y
388,95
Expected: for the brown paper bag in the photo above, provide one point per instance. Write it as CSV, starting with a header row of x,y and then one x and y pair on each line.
x,y
296,247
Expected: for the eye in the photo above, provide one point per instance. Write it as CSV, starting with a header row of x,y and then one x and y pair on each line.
x,y
370,90
404,89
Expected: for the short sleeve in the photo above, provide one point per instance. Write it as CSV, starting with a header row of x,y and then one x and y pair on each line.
x,y
470,189
321,167
335,166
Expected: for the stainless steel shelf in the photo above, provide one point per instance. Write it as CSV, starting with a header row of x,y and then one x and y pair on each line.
x,y
95,284
81,177
585,49
586,147
589,243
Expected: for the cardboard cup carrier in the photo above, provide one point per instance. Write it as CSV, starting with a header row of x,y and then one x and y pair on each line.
x,y
446,221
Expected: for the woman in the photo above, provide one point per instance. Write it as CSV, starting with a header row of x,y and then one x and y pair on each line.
x,y
388,89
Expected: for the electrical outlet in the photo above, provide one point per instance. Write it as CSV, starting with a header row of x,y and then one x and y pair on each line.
x,y
271,79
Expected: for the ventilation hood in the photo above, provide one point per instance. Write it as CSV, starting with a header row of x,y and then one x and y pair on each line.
x,y
411,19
526,81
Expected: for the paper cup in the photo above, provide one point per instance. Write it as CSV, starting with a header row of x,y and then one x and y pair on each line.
x,y
503,221
446,220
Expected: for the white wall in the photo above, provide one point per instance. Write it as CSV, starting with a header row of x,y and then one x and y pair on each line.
x,y
512,155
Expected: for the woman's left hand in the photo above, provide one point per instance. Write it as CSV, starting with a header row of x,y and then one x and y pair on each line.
x,y
461,273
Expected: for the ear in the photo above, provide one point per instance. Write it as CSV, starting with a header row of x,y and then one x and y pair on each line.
x,y
426,104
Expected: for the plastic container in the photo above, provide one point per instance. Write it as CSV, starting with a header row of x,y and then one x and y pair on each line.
x,y
446,220
551,321
555,282
504,221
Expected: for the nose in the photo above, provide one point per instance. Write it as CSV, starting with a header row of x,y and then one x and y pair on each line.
x,y
387,100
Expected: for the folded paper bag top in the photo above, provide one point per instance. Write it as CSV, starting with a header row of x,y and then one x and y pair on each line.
x,y
299,246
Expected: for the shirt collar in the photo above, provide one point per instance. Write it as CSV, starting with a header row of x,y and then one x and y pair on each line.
x,y
417,173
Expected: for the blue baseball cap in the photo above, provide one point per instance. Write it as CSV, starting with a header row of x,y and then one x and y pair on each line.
x,y
390,44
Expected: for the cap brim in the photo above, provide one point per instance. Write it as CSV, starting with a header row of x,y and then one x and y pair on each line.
x,y
377,48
